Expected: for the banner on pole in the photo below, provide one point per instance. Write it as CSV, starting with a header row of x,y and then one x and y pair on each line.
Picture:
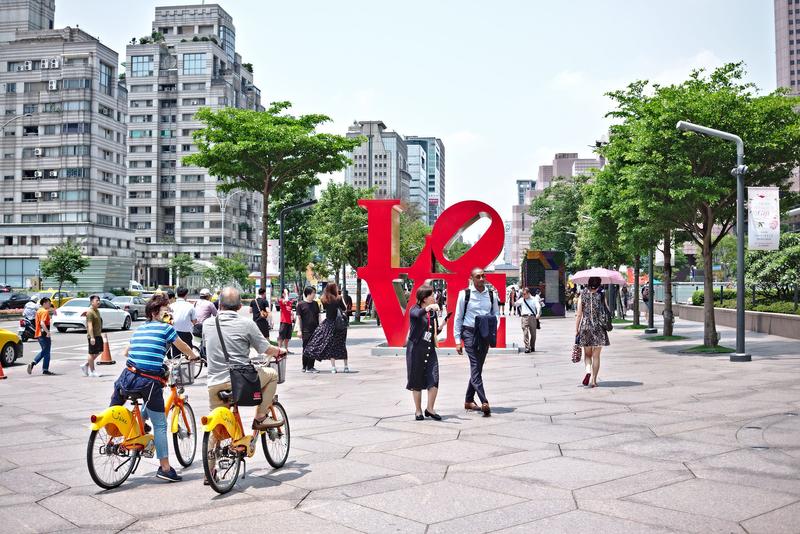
x,y
764,218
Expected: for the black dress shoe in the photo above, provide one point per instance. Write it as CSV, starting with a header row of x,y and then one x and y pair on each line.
x,y
434,416
420,417
527,351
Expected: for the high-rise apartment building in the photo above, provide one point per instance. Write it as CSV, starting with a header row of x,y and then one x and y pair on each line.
x,y
388,154
586,166
418,169
523,186
562,163
25,15
544,177
63,125
787,44
434,148
189,62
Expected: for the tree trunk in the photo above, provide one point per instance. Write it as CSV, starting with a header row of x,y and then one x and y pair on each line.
x,y
669,317
710,337
337,277
796,295
358,300
637,265
264,233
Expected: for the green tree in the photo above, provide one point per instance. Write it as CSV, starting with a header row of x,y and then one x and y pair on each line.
x,y
725,255
555,216
63,263
182,266
227,271
265,151
776,270
686,177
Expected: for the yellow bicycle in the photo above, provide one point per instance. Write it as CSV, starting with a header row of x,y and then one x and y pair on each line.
x,y
119,438
226,446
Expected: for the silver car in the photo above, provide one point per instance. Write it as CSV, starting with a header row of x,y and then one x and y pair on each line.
x,y
133,305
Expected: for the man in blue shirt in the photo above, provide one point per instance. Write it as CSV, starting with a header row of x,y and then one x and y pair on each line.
x,y
143,374
482,301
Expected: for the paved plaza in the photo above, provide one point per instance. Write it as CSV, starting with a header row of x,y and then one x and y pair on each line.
x,y
668,443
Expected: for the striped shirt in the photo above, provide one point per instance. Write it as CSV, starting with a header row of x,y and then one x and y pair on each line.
x,y
149,345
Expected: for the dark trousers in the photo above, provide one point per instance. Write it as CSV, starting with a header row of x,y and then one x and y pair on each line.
x,y
308,361
476,352
263,326
44,343
187,338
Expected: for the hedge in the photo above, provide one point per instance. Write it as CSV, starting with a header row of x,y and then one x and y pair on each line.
x,y
698,297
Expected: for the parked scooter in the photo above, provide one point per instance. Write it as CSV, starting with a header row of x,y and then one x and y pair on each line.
x,y
26,330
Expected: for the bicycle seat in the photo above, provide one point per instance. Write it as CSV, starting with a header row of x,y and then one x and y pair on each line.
x,y
225,395
133,395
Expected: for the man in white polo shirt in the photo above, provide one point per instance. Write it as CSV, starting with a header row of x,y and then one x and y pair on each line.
x,y
184,316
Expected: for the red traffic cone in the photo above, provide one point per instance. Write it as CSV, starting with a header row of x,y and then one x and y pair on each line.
x,y
2,374
105,358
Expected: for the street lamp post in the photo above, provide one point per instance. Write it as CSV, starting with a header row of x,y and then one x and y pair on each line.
x,y
739,171
12,119
651,329
223,200
284,212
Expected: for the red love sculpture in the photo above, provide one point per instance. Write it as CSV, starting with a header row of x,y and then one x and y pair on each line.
x,y
383,262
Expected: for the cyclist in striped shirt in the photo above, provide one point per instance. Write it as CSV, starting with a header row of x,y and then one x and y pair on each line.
x,y
144,374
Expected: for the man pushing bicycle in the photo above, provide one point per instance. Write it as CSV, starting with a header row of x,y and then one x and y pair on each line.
x,y
239,335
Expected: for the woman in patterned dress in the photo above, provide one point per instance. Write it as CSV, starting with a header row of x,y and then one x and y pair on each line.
x,y
422,365
327,341
590,329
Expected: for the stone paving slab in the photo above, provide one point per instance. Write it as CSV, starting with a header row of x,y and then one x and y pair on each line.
x,y
667,443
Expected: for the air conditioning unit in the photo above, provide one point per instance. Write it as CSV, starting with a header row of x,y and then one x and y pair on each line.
x,y
54,194
44,63
20,67
38,194
53,174
192,210
37,152
38,174
194,102
28,65
55,63
52,85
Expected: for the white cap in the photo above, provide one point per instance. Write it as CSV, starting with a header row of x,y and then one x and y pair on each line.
x,y
205,292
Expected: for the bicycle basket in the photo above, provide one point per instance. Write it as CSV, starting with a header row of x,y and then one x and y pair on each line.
x,y
279,366
183,374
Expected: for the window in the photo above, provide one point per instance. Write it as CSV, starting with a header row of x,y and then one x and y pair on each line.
x,y
168,179
141,103
79,195
140,179
192,178
140,194
76,61
194,63
168,164
167,194
167,118
187,117
51,107
30,108
186,148
192,225
193,194
28,131
147,164
77,105
194,101
76,83
141,65
105,110
11,88
140,210
168,149
75,150
141,88
167,133
140,148
76,128
75,172
192,209
194,86
141,118
105,220
7,218
137,134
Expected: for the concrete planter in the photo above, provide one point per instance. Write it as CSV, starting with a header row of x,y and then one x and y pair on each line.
x,y
777,324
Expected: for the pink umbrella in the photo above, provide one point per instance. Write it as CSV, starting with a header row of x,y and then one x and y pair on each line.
x,y
607,276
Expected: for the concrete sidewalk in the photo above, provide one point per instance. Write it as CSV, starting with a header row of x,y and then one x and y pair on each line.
x,y
668,442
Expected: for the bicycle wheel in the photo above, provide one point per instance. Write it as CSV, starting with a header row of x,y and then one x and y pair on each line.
x,y
275,441
198,364
109,463
220,463
185,439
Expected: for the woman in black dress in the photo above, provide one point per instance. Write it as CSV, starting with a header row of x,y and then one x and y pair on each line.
x,y
421,362
327,341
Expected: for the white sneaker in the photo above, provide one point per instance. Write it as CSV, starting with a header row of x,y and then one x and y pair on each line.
x,y
85,369
94,374
346,369
333,370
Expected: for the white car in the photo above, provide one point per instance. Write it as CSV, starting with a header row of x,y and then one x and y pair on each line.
x,y
133,305
73,315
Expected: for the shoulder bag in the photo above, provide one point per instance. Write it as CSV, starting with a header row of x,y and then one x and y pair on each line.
x,y
576,350
245,383
607,324
342,322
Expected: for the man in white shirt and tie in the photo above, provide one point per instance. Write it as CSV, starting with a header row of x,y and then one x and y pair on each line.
x,y
482,301
530,310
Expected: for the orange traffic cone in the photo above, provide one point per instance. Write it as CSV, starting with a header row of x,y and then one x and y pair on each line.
x,y
105,358
2,374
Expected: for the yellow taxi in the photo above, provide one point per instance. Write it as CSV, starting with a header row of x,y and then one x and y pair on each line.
x,y
57,298
11,347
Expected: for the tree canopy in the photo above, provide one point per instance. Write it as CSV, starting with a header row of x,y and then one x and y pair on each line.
x,y
64,262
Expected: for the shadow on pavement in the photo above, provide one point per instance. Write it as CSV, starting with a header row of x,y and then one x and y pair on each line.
x,y
619,384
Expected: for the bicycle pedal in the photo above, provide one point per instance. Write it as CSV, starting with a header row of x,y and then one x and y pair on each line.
x,y
244,469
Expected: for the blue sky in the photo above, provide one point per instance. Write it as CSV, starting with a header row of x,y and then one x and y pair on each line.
x,y
505,84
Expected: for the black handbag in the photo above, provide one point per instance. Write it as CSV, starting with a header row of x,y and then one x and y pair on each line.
x,y
342,321
245,383
607,324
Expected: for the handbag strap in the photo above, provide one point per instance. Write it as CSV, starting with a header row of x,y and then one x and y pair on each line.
x,y
525,301
222,341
